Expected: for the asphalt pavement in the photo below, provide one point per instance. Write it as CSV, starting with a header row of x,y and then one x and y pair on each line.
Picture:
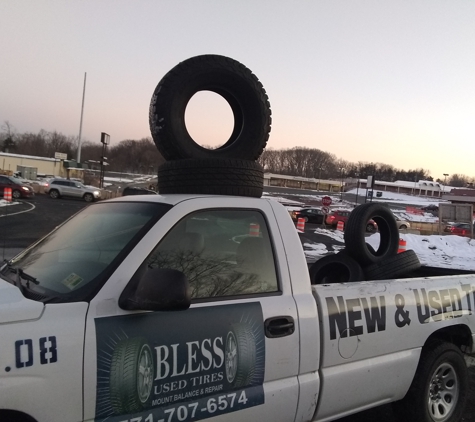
x,y
25,222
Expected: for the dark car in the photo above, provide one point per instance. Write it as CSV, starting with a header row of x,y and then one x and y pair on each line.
x,y
310,215
134,190
342,215
19,189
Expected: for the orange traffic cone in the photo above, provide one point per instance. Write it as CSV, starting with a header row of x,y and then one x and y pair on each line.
x,y
402,246
340,226
7,194
301,225
254,230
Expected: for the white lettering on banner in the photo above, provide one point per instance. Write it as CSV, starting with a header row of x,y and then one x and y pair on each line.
x,y
200,357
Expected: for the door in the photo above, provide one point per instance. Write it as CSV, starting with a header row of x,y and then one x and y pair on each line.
x,y
234,354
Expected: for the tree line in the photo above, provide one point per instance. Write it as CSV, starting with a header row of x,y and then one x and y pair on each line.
x,y
141,156
128,156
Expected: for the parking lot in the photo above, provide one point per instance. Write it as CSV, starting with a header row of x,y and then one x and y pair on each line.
x,y
30,219
23,224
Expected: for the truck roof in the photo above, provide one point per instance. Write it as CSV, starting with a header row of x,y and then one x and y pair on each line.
x,y
174,199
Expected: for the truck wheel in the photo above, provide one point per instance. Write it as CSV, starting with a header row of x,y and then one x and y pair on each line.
x,y
131,376
54,194
393,266
226,77
337,268
356,228
211,176
439,389
240,355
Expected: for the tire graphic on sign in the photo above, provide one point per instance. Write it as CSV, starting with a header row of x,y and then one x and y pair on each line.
x,y
240,355
131,376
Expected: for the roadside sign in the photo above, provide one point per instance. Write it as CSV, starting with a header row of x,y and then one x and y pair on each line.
x,y
326,201
325,210
60,156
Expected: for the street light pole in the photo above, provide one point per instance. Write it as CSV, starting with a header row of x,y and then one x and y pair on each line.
x,y
445,178
341,190
357,188
105,139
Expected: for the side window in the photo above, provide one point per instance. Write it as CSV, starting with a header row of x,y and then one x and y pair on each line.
x,y
222,253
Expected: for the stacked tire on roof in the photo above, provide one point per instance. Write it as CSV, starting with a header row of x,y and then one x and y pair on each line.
x,y
190,168
232,169
359,261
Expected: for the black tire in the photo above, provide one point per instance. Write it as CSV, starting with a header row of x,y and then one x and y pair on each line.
x,y
226,77
355,239
393,266
420,403
211,176
88,197
336,268
129,389
16,194
53,193
305,219
240,355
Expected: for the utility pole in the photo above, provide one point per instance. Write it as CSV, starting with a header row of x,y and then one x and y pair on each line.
x,y
80,123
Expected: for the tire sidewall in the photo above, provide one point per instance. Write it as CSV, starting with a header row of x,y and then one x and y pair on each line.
x,y
246,354
452,358
123,387
414,406
355,233
227,78
335,268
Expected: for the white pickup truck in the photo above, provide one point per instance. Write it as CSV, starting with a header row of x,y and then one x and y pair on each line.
x,y
189,307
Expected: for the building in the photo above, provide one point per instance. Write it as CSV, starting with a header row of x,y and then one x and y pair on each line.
x,y
40,166
420,188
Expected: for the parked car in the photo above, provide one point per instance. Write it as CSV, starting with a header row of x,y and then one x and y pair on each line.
x,y
65,187
432,209
342,215
402,224
19,189
134,190
461,229
310,215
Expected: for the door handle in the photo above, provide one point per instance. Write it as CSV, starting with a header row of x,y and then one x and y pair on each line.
x,y
280,326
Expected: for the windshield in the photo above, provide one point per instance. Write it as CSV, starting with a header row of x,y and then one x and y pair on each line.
x,y
74,261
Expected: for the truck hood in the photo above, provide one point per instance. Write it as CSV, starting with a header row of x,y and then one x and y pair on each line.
x,y
14,307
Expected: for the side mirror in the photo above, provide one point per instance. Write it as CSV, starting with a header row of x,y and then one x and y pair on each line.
x,y
158,290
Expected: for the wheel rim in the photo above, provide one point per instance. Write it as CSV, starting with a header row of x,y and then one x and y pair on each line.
x,y
305,219
88,197
443,393
231,357
369,228
53,194
145,374
16,194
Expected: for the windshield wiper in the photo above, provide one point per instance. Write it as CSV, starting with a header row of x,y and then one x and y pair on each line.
x,y
20,275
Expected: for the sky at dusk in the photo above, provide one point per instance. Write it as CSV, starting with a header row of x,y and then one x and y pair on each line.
x,y
375,81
